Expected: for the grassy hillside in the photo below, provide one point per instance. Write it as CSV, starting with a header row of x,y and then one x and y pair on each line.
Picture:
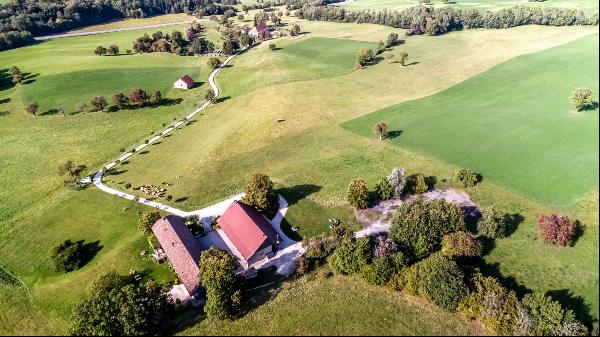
x,y
312,159
36,211
588,6
337,306
309,156
514,124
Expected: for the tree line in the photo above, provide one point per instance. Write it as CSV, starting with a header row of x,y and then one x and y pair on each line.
x,y
20,20
434,21
192,44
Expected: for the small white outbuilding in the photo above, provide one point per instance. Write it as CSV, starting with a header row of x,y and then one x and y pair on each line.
x,y
185,82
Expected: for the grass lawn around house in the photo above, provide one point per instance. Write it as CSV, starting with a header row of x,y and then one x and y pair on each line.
x,y
588,6
514,124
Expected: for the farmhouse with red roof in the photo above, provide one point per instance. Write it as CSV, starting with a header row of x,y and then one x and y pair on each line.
x,y
249,232
185,82
181,248
260,31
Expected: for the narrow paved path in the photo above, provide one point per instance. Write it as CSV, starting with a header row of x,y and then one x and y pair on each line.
x,y
213,210
288,250
58,36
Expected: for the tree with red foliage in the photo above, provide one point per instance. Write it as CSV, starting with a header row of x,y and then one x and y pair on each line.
x,y
556,229
138,97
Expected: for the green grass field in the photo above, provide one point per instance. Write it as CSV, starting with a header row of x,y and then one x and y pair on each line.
x,y
514,124
588,6
36,211
352,308
309,59
312,159
309,156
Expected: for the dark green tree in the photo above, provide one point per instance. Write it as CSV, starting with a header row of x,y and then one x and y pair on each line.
x,y
116,307
68,256
217,276
418,227
384,189
351,255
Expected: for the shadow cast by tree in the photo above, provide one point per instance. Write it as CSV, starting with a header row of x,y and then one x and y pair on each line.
x,y
293,194
575,303
89,250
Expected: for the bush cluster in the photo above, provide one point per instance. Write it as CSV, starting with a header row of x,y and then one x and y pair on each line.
x,y
418,227
557,229
467,177
504,314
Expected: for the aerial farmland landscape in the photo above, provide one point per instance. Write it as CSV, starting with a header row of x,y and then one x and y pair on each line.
x,y
299,167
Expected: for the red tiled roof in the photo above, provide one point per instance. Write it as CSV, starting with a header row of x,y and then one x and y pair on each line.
x,y
247,229
181,248
261,26
188,80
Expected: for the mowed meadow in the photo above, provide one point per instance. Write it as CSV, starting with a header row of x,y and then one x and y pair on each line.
x,y
308,81
514,124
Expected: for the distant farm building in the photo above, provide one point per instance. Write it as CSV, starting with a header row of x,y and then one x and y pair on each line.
x,y
249,232
185,82
260,31
181,249
245,30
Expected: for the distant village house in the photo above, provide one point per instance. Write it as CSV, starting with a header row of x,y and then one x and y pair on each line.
x,y
260,31
185,82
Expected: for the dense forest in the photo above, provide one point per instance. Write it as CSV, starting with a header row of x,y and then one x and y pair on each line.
x,y
434,21
20,20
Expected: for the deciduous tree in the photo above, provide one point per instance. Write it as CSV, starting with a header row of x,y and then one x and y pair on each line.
x,y
113,49
73,173
403,58
418,227
420,186
98,103
32,108
217,276
582,99
213,63
259,192
147,220
557,229
493,223
116,307
358,194
120,100
100,51
138,97
381,130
